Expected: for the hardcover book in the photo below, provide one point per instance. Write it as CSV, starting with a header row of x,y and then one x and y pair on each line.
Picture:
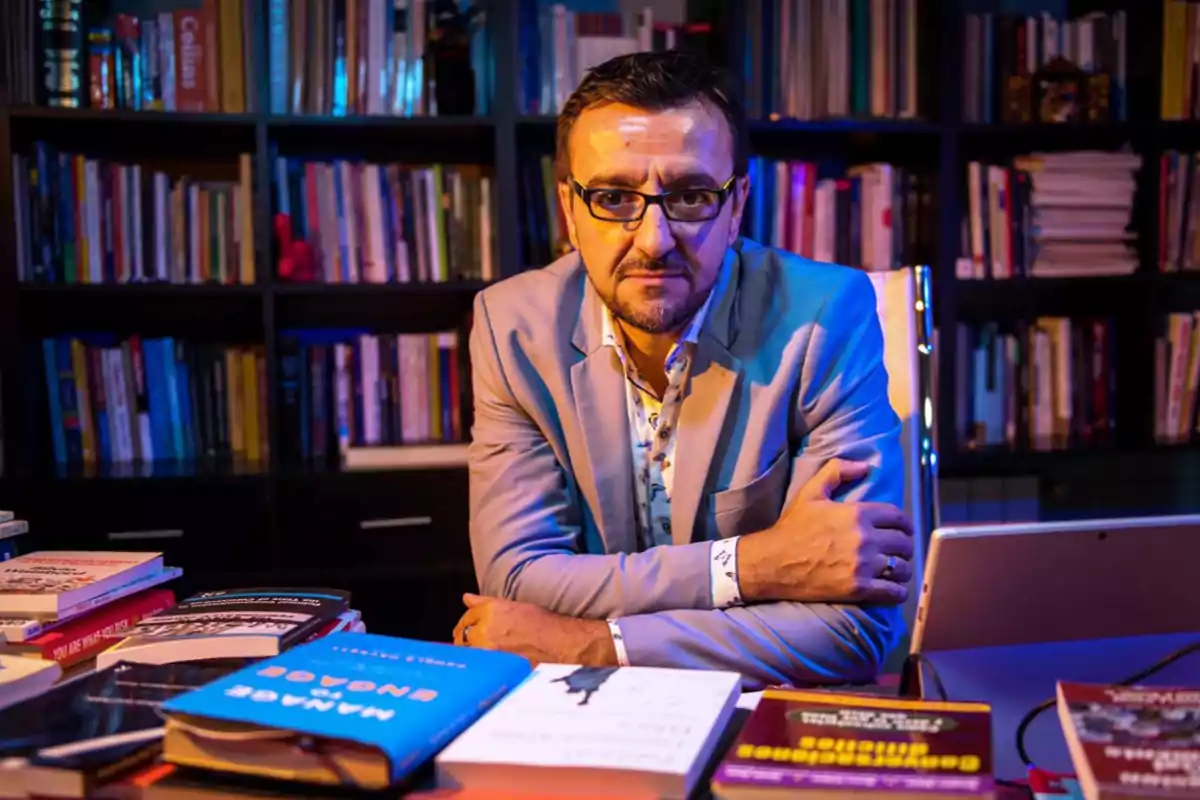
x,y
353,709
826,744
1132,741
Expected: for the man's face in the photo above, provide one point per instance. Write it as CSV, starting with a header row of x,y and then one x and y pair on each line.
x,y
656,273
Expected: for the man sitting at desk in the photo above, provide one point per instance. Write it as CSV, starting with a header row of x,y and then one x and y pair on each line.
x,y
683,452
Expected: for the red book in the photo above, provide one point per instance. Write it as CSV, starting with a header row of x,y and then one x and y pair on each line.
x,y
190,61
1132,741
83,637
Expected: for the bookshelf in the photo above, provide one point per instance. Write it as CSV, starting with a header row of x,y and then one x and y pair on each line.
x,y
399,537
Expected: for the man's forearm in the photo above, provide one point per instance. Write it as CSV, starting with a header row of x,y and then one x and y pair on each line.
x,y
771,643
597,587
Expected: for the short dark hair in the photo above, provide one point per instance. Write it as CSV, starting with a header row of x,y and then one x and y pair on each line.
x,y
654,82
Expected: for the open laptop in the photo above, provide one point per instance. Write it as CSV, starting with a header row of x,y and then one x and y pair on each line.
x,y
1007,610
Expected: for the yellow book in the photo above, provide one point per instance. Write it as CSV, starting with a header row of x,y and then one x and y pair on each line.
x,y
1174,58
83,400
245,215
250,404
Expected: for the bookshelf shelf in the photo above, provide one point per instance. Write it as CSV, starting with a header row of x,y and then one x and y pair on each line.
x,y
98,116
157,471
422,124
1012,297
415,288
402,307
142,308
1000,462
855,126
148,290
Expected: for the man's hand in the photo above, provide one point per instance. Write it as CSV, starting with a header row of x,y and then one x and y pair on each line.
x,y
534,632
821,550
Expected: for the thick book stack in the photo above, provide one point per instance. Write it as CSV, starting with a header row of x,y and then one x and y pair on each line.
x,y
1014,65
1050,215
64,608
376,57
814,59
198,56
141,400
342,392
383,223
1178,212
1045,385
875,216
1177,378
88,220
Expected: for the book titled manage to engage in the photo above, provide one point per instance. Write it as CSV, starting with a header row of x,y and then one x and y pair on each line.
x,y
350,708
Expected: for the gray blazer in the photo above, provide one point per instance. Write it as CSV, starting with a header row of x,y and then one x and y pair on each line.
x,y
788,373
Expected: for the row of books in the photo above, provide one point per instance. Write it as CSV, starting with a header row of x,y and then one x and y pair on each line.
x,y
208,697
377,57
560,42
355,222
324,57
1178,212
813,59
1049,215
1042,68
1048,384
141,400
1180,60
194,57
874,216
88,220
344,391
1177,378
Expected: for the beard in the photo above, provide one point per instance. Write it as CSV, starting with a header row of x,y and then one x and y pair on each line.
x,y
653,309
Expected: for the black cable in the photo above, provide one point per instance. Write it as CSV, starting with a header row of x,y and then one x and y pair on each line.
x,y
913,670
1034,712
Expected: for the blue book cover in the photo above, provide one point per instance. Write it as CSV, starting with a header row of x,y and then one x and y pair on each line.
x,y
407,698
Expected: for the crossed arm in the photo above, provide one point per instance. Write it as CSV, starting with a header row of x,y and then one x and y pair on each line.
x,y
524,528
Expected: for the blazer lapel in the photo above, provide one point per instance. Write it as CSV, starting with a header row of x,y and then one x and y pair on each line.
x,y
598,385
703,416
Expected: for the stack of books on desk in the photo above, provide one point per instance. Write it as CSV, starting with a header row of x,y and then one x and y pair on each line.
x,y
62,608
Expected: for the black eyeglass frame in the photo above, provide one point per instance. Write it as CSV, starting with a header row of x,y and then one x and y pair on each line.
x,y
660,200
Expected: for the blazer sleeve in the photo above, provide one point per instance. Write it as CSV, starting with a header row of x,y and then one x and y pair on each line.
x,y
524,525
844,407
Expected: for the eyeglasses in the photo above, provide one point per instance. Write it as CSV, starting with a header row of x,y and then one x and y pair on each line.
x,y
627,205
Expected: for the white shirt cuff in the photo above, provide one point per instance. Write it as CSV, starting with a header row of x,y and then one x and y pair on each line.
x,y
618,643
723,573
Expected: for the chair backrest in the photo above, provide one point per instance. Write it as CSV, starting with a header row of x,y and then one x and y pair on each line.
x,y
904,305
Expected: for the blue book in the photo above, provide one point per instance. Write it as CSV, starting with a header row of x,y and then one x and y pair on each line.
x,y
350,708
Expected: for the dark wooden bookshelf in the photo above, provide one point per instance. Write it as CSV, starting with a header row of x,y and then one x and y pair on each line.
x,y
294,519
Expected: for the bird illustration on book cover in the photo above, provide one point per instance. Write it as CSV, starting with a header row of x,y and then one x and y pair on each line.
x,y
587,680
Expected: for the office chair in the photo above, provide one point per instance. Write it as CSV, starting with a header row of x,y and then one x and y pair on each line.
x,y
905,309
